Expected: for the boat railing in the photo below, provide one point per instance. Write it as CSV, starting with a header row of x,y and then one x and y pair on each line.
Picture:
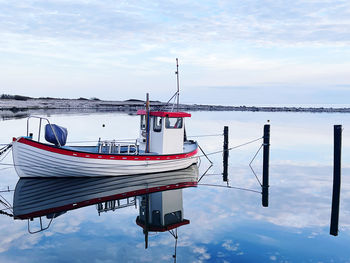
x,y
113,146
42,227
115,204
40,121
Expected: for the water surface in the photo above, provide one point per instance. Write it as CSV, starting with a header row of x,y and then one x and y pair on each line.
x,y
226,224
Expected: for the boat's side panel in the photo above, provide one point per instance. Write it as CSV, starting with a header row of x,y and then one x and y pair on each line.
x,y
31,161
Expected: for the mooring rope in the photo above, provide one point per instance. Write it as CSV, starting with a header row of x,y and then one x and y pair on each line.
x,y
250,165
5,148
5,213
232,187
205,135
6,191
205,154
5,202
6,151
211,165
7,206
235,147
8,188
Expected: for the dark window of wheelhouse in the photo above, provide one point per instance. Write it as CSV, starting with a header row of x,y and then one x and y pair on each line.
x,y
172,218
173,123
143,122
156,218
157,124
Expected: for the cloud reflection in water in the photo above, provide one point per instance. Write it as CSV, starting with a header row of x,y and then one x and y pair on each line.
x,y
226,225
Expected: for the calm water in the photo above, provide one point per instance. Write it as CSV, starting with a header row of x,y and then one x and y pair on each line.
x,y
226,225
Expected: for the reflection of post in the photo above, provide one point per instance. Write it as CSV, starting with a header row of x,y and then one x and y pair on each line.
x,y
225,154
336,180
265,181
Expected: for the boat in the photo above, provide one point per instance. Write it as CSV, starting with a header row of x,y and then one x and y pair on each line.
x,y
160,148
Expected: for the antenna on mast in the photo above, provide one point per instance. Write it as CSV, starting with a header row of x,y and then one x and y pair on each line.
x,y
177,93
178,84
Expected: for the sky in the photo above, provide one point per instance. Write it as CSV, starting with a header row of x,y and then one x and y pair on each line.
x,y
230,52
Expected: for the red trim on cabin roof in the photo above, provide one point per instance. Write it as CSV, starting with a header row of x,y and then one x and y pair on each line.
x,y
104,199
127,157
165,114
162,228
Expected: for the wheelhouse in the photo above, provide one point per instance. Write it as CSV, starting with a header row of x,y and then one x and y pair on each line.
x,y
166,131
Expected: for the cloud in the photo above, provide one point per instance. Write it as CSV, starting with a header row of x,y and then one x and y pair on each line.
x,y
230,246
63,47
203,255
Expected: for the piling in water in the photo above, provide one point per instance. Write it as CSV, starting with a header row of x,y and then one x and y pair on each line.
x,y
336,180
266,154
225,155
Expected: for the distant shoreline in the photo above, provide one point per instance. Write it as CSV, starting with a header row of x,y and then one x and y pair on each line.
x,y
20,105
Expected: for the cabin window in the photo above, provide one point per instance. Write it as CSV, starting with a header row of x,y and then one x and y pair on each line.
x,y
157,124
143,122
156,218
173,123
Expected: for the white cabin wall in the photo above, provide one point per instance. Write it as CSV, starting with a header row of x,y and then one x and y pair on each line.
x,y
171,202
156,138
166,202
173,141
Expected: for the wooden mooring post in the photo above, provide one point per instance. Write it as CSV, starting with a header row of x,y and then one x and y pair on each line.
x,y
225,155
336,180
266,156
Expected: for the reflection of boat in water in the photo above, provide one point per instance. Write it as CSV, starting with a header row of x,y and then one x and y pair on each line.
x,y
37,197
165,211
161,147
160,212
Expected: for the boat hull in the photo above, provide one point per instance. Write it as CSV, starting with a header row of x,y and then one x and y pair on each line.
x,y
34,159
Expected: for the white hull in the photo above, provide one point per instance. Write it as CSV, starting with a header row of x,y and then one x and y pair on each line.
x,y
32,161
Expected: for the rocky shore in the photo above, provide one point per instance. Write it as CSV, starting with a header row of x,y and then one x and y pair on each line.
x,y
19,106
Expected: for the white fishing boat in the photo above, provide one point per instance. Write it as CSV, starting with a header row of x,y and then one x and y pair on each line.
x,y
161,147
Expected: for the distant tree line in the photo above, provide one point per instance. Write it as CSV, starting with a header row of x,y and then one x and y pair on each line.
x,y
20,97
14,97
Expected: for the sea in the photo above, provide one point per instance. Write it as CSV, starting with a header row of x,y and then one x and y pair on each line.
x,y
226,219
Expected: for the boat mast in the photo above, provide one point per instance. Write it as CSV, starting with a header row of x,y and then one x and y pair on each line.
x,y
178,85
147,123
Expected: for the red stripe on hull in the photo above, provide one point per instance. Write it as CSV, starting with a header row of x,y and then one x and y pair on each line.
x,y
105,156
104,199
